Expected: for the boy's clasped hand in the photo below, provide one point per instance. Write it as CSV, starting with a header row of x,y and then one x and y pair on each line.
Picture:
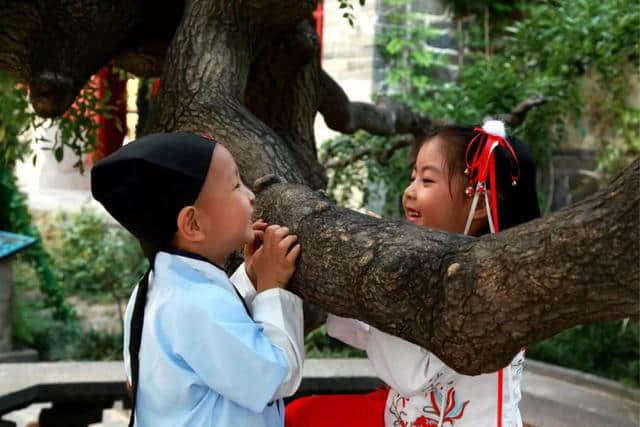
x,y
270,258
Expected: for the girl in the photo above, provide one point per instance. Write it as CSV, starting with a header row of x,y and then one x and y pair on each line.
x,y
464,180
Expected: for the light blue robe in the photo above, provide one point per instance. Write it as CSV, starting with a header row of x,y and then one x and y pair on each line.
x,y
203,360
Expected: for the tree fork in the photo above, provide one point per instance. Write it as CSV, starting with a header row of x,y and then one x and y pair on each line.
x,y
204,82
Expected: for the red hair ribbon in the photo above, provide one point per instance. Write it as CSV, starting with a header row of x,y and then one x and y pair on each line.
x,y
208,136
481,164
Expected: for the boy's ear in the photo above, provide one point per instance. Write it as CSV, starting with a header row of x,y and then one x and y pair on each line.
x,y
188,226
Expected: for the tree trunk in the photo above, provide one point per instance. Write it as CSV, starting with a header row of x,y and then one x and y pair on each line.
x,y
248,73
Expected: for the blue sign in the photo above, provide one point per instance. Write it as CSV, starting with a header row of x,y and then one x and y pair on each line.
x,y
12,243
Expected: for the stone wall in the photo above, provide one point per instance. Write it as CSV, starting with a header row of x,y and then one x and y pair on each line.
x,y
348,54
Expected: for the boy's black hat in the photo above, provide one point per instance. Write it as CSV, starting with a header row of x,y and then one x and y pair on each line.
x,y
146,183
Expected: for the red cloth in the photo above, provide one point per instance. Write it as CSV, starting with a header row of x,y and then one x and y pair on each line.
x,y
111,136
338,410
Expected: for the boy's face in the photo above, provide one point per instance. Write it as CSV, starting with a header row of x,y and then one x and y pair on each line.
x,y
430,200
224,206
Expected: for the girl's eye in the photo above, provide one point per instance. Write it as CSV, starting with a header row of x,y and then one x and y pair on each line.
x,y
426,180
237,186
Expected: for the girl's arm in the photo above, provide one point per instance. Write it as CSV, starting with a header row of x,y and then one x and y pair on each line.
x,y
406,367
349,331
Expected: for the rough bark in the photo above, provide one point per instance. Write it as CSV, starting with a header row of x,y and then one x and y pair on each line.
x,y
204,83
248,73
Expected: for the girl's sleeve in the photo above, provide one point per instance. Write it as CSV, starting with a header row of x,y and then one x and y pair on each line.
x,y
407,368
233,355
280,313
349,331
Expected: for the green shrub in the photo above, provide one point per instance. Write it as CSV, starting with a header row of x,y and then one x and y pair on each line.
x,y
608,349
95,261
318,344
35,327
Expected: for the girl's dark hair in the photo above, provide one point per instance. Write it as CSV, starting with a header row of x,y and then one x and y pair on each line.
x,y
516,204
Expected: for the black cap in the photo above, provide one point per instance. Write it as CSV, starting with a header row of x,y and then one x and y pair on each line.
x,y
146,183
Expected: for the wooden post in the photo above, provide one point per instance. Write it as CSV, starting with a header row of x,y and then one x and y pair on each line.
x,y
10,244
5,305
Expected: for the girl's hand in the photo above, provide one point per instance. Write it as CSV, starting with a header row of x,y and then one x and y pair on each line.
x,y
274,261
250,249
373,214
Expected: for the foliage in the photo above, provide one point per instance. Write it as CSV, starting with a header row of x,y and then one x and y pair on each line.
x,y
92,254
15,120
580,54
97,262
94,259
608,349
318,344
16,218
367,175
77,128
34,327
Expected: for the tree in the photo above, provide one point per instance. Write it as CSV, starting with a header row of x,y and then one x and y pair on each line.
x,y
248,73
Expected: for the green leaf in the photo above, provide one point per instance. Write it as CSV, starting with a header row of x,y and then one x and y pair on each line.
x,y
59,153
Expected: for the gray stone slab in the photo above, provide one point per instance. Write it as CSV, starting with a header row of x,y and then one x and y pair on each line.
x,y
19,356
549,401
17,376
583,379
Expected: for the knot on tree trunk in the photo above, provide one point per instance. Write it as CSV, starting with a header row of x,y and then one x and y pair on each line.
x,y
265,182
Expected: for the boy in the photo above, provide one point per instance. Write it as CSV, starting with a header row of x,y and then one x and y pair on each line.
x,y
210,353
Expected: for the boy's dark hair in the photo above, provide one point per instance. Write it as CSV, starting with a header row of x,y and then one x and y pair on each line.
x,y
516,204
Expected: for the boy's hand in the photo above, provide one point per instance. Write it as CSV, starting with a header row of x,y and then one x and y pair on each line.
x,y
274,261
250,249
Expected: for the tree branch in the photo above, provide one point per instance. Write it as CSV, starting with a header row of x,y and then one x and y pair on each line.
x,y
513,119
383,157
518,114
473,302
385,118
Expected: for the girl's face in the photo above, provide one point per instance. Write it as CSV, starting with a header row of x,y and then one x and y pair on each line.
x,y
430,199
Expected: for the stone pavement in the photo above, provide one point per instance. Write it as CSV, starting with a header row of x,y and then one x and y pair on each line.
x,y
552,396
